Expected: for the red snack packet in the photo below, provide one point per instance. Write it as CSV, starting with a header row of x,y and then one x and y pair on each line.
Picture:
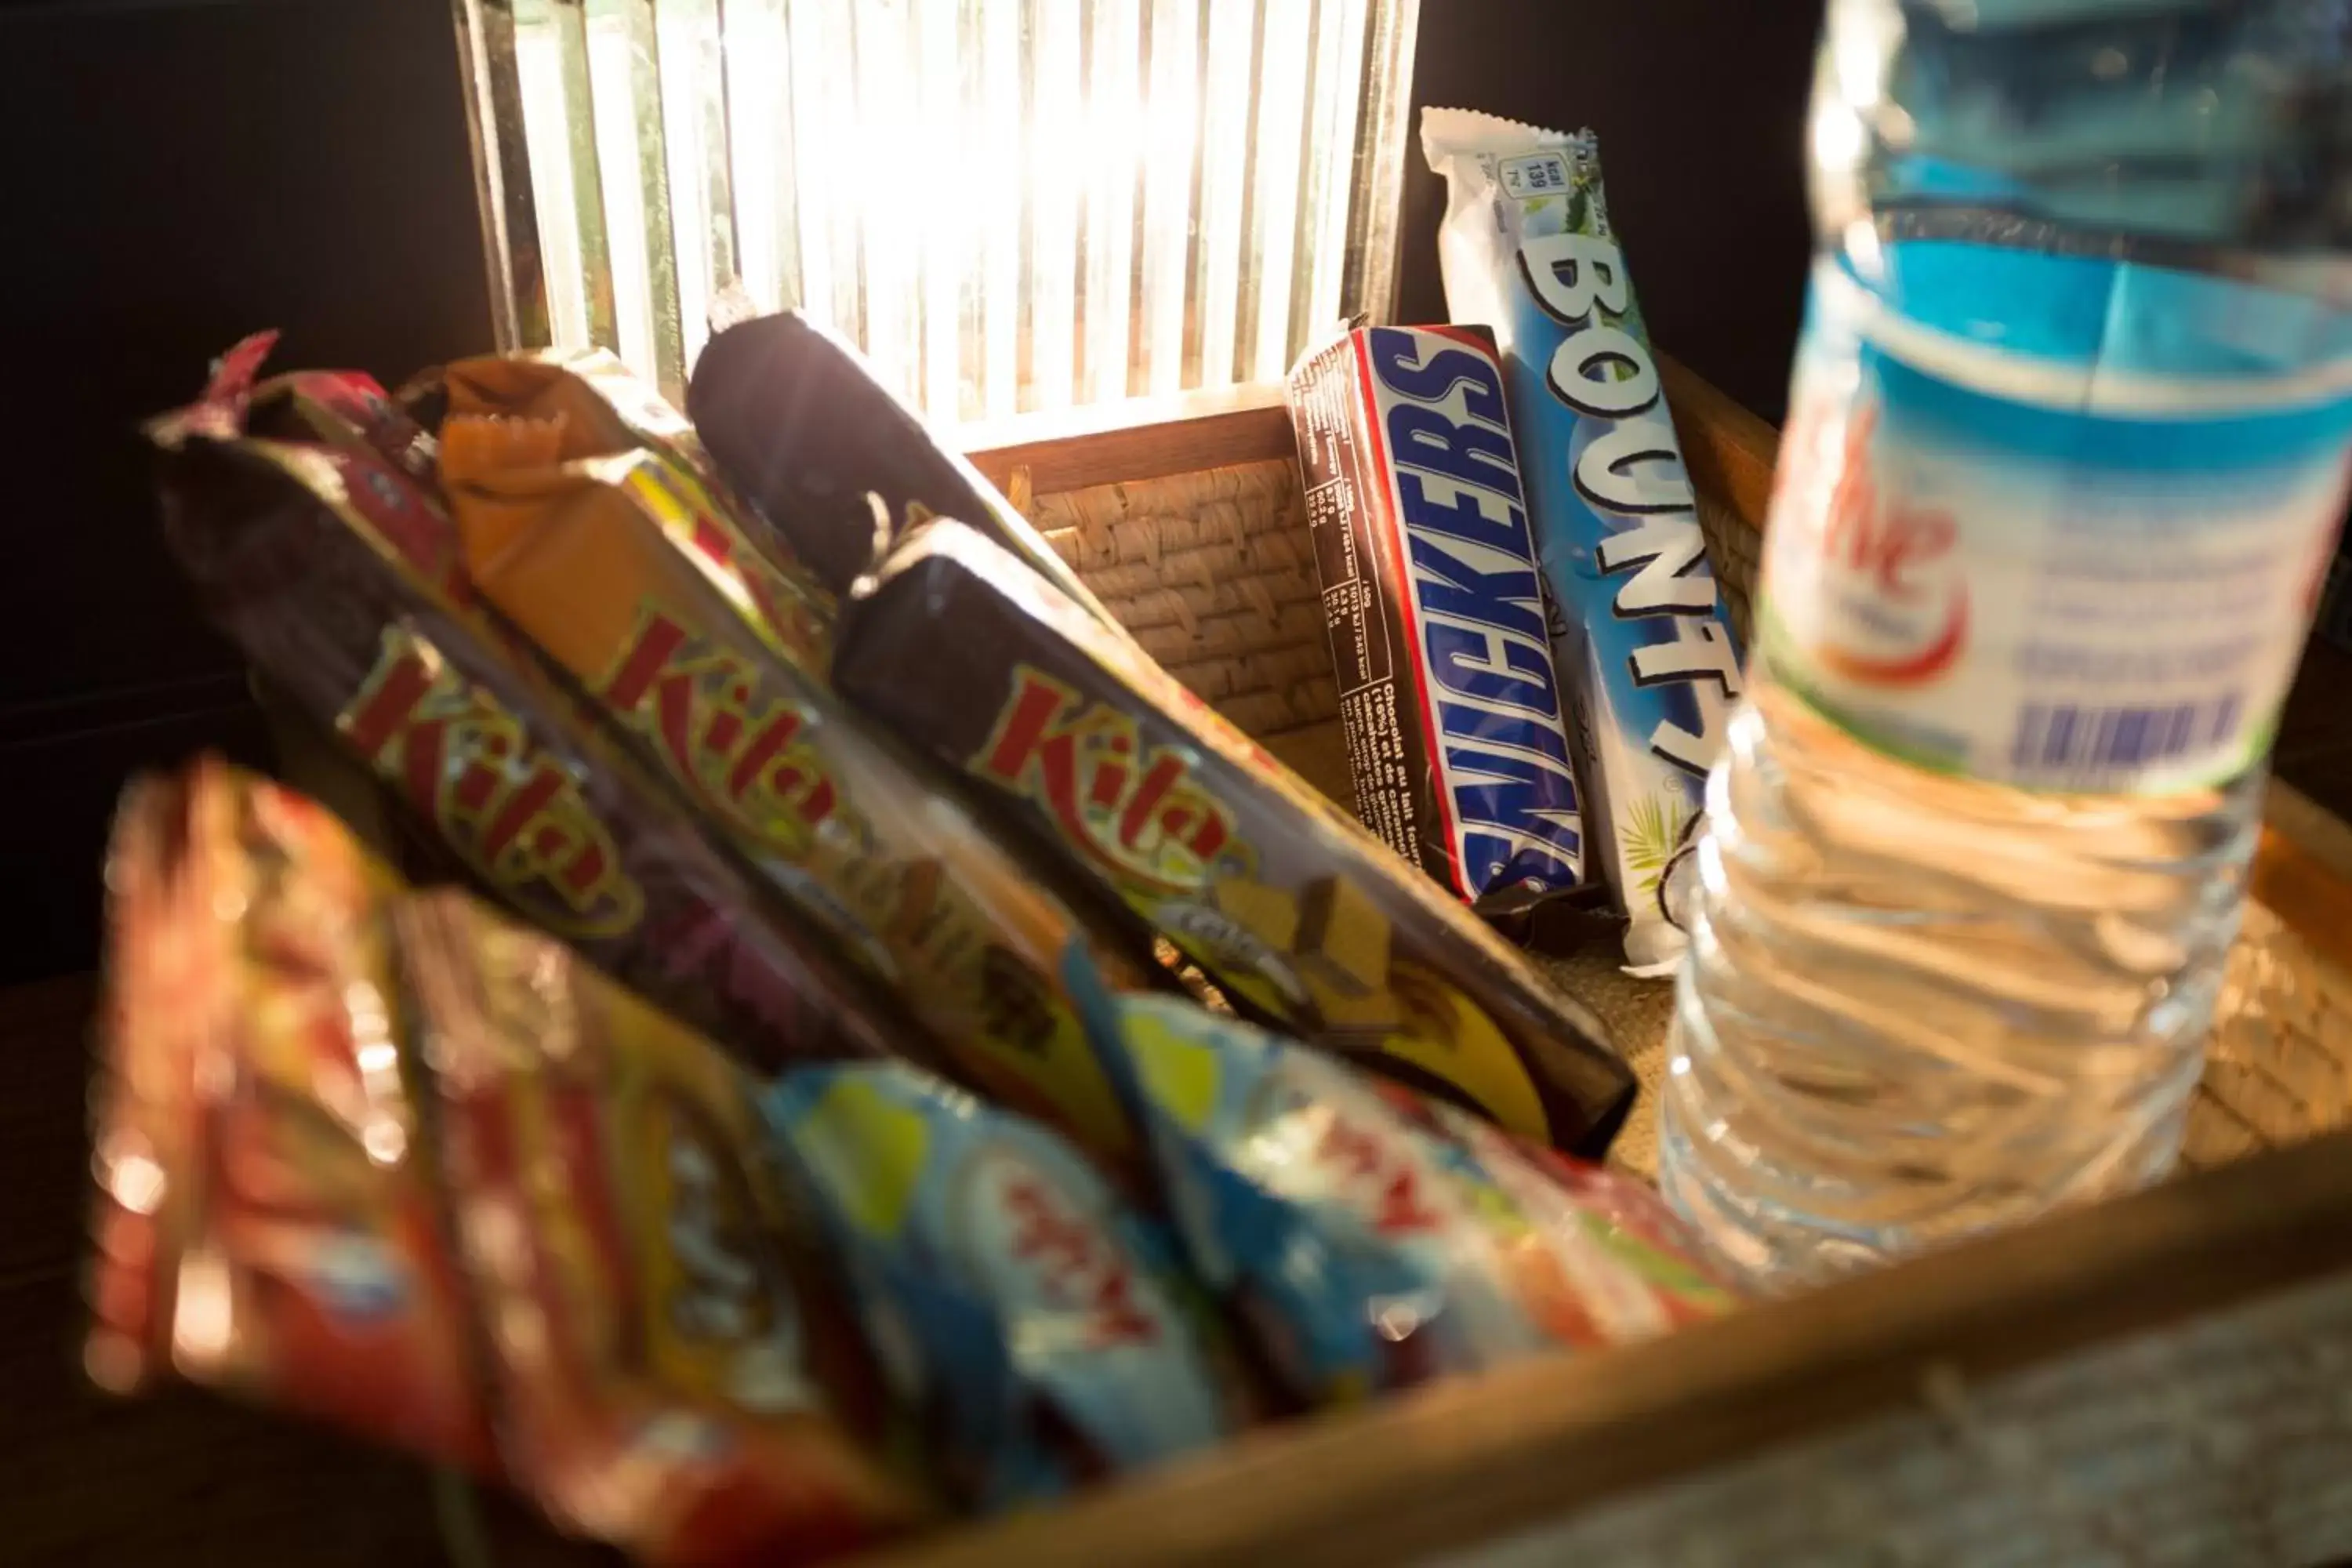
x,y
676,1373
266,1224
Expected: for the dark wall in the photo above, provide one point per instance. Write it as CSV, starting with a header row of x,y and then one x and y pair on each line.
x,y
183,172
179,174
1700,108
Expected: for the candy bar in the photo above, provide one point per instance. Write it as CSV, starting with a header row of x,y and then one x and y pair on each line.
x,y
600,408
801,427
1653,670
1279,897
623,571
1456,736
342,579
268,1221
674,1373
1043,1332
1371,1238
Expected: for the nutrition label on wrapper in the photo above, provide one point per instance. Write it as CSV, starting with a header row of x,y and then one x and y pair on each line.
x,y
2067,577
1364,663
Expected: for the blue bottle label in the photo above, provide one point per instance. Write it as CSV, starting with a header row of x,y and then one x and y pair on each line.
x,y
2054,522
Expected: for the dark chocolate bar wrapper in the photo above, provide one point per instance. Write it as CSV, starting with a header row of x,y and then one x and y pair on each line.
x,y
640,587
800,426
1281,898
1456,736
342,581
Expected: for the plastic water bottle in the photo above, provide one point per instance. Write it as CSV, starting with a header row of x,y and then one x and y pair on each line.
x,y
2065,464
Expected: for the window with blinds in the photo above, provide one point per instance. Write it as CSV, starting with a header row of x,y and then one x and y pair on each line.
x,y
1014,207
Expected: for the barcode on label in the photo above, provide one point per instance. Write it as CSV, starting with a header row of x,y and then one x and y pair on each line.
x,y
2066,740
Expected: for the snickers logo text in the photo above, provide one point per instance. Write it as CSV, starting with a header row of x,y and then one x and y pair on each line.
x,y
1485,660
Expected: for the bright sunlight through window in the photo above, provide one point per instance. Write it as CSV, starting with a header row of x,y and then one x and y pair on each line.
x,y
1014,207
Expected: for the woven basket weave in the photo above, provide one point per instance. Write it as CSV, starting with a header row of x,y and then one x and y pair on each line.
x,y
1214,573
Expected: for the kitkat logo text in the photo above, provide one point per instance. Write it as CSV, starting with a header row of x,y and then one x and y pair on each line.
x,y
1134,812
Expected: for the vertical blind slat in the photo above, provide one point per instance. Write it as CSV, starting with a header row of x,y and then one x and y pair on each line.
x,y
1011,204
1108,142
577,100
935,196
486,43
631,154
1283,86
688,44
998,217
1225,183
1170,132
1056,147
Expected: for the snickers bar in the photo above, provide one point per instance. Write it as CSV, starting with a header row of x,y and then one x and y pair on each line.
x,y
1280,897
1432,596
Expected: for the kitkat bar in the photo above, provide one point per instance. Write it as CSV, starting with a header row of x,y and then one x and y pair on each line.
x,y
657,606
799,424
1457,740
342,581
1279,897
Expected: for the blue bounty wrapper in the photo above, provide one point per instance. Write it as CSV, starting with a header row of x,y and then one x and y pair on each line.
x,y
1641,640
1043,1329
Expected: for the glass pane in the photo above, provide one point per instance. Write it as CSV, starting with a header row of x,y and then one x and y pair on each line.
x,y
1013,206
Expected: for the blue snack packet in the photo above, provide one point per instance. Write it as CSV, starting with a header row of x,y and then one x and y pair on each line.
x,y
1641,641
1368,1239
1043,1330
1344,1238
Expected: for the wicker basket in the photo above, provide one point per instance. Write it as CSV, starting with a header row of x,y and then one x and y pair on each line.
x,y
2167,1379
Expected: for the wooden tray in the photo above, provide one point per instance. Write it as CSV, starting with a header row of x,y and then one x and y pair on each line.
x,y
2167,1379
2164,1379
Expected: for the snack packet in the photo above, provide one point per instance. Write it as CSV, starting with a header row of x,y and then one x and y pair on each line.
x,y
1653,670
1286,902
1373,1239
673,1375
268,1221
1439,635
340,576
603,409
801,427
633,579
1041,1328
